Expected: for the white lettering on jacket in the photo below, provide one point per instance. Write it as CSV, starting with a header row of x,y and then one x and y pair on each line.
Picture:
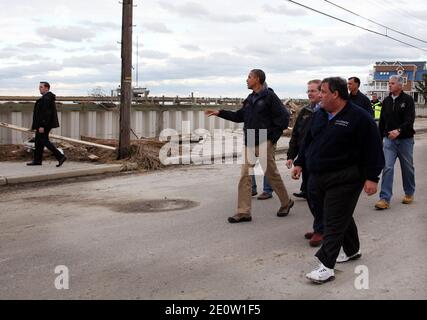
x,y
342,123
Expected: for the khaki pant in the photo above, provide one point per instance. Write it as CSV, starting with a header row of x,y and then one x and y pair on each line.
x,y
269,167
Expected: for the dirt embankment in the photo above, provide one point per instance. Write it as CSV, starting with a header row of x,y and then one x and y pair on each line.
x,y
144,153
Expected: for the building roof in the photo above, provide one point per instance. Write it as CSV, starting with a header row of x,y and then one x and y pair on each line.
x,y
421,65
385,75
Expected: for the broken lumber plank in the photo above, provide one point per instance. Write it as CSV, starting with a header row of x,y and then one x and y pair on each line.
x,y
54,136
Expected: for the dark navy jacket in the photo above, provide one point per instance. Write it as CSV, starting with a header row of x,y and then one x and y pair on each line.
x,y
45,114
398,114
350,139
302,123
362,101
261,111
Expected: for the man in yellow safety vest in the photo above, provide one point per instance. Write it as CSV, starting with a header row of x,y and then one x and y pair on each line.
x,y
376,106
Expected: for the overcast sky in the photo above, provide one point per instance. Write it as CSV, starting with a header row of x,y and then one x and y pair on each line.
x,y
205,47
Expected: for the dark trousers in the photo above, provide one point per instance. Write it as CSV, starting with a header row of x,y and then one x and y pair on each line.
x,y
314,205
42,140
339,192
304,181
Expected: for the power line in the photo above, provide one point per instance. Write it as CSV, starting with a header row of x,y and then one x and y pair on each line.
x,y
357,26
400,10
379,24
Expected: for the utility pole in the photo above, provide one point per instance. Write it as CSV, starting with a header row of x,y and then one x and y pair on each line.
x,y
126,82
137,61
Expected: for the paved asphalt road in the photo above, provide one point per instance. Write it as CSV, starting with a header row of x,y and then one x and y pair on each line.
x,y
112,252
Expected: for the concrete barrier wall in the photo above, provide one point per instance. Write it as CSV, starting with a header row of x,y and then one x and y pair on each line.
x,y
104,124
421,110
98,122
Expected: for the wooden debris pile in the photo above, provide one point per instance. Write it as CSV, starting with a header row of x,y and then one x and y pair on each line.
x,y
144,153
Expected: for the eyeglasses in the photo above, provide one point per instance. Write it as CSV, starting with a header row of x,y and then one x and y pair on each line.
x,y
312,91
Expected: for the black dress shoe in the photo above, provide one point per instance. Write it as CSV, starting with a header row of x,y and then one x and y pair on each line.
x,y
254,193
300,195
61,161
239,218
284,211
309,235
34,163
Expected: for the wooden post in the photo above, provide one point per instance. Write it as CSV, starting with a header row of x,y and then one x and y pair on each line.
x,y
126,82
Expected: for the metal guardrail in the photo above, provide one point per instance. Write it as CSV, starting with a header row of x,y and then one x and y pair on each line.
x,y
139,100
151,100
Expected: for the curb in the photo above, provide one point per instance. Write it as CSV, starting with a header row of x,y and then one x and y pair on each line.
x,y
210,159
99,169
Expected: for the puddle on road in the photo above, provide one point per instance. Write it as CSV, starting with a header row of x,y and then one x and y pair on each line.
x,y
136,206
156,205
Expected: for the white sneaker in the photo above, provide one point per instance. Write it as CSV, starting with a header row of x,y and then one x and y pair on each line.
x,y
344,258
321,274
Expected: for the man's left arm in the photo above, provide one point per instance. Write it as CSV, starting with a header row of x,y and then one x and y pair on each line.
x,y
408,117
372,159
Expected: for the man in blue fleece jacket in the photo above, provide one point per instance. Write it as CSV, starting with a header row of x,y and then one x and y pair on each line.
x,y
264,117
343,151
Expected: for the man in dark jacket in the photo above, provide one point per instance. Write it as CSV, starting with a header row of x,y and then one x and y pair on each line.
x,y
264,117
45,118
344,162
300,129
397,130
302,124
357,97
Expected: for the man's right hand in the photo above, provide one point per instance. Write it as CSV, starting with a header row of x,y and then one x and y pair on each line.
x,y
210,112
296,172
41,130
289,163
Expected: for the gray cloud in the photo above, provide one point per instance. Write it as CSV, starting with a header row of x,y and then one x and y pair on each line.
x,y
152,54
349,54
32,45
101,25
217,64
31,57
280,59
260,51
198,11
190,47
6,53
91,61
107,47
157,27
284,9
70,34
35,69
300,32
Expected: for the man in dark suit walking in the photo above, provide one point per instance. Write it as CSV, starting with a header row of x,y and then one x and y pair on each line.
x,y
45,118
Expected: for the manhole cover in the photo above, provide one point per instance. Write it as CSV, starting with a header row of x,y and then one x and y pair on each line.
x,y
159,205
